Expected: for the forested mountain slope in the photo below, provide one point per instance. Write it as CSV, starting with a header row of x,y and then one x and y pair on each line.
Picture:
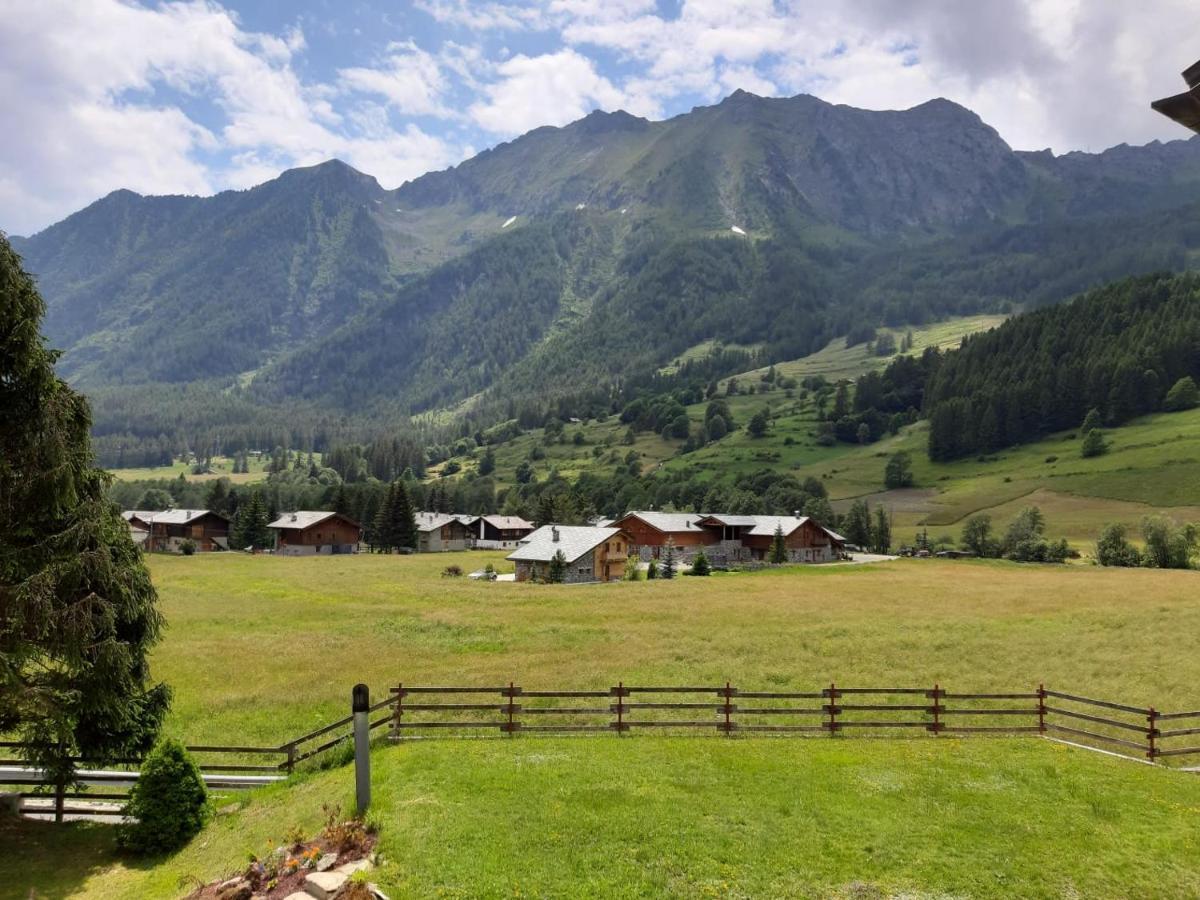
x,y
569,264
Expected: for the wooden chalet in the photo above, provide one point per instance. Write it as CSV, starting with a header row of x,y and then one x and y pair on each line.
x,y
498,532
167,530
439,532
315,532
650,532
592,554
747,538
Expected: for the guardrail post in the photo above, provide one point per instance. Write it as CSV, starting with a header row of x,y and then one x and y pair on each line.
x,y
1151,733
1041,711
360,707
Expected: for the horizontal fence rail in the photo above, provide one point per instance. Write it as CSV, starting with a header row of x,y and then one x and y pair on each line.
x,y
457,710
837,709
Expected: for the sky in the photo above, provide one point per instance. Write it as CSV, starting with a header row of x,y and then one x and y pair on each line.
x,y
197,96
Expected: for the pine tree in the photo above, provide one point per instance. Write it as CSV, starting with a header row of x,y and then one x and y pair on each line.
x,y
78,612
557,570
858,524
251,528
1093,444
382,538
341,501
778,552
667,568
700,565
487,465
217,497
881,534
402,522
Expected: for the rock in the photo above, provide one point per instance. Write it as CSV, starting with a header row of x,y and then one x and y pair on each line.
x,y
376,892
351,867
326,862
10,804
234,889
299,895
324,885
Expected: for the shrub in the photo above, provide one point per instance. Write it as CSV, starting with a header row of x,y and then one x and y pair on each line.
x,y
452,572
652,571
1114,550
1093,444
169,802
187,547
700,564
1183,395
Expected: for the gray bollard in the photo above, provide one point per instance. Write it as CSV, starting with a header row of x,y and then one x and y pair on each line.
x,y
361,705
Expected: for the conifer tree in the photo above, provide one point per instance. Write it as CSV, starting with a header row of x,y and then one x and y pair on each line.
x,y
700,565
557,570
251,529
402,522
881,534
667,569
381,534
78,612
778,552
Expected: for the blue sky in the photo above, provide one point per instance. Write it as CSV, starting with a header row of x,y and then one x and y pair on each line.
x,y
196,96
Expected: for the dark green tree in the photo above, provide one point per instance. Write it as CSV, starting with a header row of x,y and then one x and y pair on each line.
x,y
1093,444
1113,549
1183,395
898,471
759,423
78,612
1169,546
168,804
487,465
858,524
881,532
778,551
1091,421
250,530
700,564
667,568
402,520
977,536
557,570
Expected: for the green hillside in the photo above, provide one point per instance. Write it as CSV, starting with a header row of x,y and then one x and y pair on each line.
x,y
560,272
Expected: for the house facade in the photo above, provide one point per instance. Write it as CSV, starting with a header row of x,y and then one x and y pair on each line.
x,y
498,532
439,532
168,530
650,532
592,554
315,533
749,538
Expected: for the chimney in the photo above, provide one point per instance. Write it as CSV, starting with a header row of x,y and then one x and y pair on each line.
x,y
796,513
293,517
554,533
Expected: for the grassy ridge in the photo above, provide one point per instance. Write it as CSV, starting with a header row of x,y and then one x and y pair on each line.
x,y
696,817
259,649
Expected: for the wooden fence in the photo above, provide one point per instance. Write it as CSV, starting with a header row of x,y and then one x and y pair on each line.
x,y
512,709
718,709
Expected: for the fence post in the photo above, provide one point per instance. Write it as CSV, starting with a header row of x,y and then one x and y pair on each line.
x,y
727,709
620,710
291,758
1041,709
399,711
832,709
937,725
360,707
511,691
1151,732
60,788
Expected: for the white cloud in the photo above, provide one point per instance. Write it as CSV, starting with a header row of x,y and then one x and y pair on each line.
x,y
551,89
410,79
95,94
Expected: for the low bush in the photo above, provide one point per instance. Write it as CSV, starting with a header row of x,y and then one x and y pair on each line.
x,y
168,802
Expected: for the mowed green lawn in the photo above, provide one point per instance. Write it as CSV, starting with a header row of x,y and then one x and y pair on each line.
x,y
261,649
699,817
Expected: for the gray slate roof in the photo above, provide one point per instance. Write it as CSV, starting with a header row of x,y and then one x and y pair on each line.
x,y
169,516
573,541
431,521
506,522
669,522
301,519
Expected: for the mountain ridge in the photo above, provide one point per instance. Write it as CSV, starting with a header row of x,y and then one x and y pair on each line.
x,y
776,222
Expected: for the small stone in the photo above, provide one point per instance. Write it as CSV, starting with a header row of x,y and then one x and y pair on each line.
x,y
299,895
351,867
324,885
326,862
234,889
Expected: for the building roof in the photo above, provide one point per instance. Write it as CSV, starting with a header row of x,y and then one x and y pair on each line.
x,y
431,521
667,522
506,523
306,518
572,540
170,516
764,526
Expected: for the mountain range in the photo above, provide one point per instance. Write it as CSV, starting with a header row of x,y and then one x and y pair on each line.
x,y
570,264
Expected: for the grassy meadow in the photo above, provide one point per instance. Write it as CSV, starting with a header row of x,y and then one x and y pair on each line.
x,y
259,649
697,817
